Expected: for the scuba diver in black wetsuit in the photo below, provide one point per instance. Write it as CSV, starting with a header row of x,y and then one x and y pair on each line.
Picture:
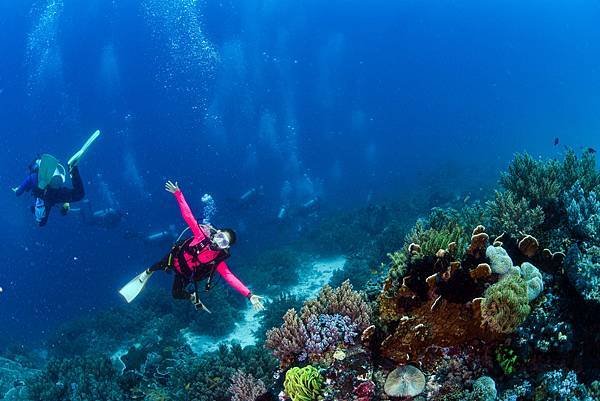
x,y
46,182
52,194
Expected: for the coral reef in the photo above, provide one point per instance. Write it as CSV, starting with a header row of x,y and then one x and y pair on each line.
x,y
80,378
274,311
477,304
13,376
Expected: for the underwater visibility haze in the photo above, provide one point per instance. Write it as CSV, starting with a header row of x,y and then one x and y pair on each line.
x,y
299,200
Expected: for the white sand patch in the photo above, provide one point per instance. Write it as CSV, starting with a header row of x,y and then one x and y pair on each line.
x,y
311,282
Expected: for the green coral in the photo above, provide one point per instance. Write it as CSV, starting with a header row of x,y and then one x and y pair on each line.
x,y
303,384
507,359
535,180
512,215
397,263
432,240
505,305
542,182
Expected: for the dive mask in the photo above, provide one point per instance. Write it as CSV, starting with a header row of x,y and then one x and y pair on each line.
x,y
221,240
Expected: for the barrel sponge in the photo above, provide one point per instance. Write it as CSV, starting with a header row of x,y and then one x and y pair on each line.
x,y
533,278
506,304
500,262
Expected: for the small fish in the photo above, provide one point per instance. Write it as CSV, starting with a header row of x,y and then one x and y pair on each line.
x,y
556,141
590,150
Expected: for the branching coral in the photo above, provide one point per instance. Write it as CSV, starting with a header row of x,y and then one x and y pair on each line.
x,y
327,331
245,387
342,300
342,309
303,384
506,304
78,378
583,212
512,215
582,265
288,341
537,181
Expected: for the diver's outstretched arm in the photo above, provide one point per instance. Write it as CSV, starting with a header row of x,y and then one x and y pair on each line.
x,y
27,185
237,285
186,212
232,280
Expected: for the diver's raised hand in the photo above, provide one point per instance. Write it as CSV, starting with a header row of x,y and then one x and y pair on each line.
x,y
257,303
170,187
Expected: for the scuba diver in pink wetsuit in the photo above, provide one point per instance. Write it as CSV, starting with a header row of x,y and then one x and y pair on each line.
x,y
195,259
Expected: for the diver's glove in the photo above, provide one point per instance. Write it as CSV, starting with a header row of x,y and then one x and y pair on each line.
x,y
256,302
197,303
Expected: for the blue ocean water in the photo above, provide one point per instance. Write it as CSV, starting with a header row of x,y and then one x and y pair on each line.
x,y
342,102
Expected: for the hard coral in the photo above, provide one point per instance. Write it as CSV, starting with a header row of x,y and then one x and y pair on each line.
x,y
405,381
335,317
509,214
287,341
245,387
582,265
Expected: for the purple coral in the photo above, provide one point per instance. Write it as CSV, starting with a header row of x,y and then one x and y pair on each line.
x,y
325,332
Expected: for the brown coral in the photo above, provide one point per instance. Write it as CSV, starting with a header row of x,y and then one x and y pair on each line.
x,y
529,246
482,270
245,387
288,340
445,325
414,249
479,241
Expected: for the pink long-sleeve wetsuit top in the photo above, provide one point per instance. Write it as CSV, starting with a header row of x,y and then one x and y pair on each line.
x,y
206,255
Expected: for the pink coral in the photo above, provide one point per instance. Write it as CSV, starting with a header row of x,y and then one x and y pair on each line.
x,y
365,391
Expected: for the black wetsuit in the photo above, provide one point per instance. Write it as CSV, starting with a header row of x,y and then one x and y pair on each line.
x,y
179,282
53,196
